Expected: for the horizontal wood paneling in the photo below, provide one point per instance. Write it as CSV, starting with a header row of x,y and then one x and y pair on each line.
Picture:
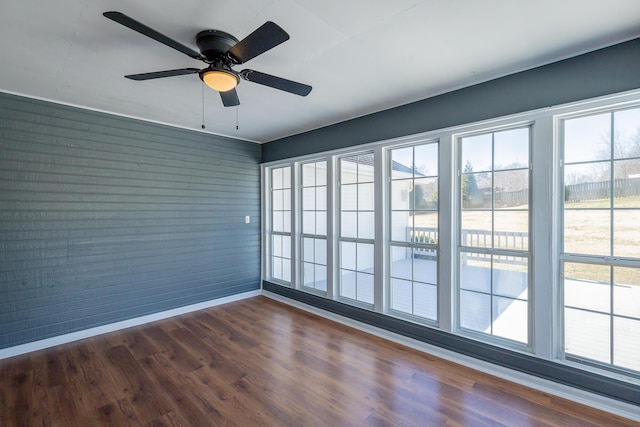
x,y
104,218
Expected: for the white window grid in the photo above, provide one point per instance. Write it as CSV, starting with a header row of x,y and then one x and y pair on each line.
x,y
356,229
280,225
585,256
487,248
418,243
313,225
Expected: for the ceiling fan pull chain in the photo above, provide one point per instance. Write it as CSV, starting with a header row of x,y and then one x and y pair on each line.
x,y
237,108
202,105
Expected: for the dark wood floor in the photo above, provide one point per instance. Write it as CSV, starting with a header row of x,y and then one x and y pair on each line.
x,y
260,362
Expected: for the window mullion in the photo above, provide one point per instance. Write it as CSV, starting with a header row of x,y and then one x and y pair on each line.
x,y
332,246
611,236
447,241
379,302
546,334
296,221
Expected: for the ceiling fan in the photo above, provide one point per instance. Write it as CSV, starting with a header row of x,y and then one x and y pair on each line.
x,y
221,52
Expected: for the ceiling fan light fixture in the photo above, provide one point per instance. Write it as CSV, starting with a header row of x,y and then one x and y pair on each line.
x,y
219,80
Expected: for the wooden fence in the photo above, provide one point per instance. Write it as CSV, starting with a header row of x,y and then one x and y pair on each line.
x,y
505,199
586,191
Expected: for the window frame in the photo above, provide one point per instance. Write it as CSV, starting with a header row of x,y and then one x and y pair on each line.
x,y
302,235
283,234
339,239
492,251
611,260
389,243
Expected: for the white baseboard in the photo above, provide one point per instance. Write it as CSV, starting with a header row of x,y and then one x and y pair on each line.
x,y
613,406
99,330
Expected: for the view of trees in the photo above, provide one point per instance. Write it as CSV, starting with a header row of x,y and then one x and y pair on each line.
x,y
471,194
592,181
625,146
510,186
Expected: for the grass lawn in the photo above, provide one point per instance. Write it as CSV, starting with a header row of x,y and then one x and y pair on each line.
x,y
587,231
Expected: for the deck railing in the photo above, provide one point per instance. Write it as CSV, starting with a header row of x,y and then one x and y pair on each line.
x,y
514,240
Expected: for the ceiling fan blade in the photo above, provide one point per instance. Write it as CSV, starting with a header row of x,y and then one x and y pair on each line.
x,y
266,37
276,82
161,74
230,98
123,19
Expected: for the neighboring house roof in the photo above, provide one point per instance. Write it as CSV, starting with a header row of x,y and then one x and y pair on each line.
x,y
399,167
367,159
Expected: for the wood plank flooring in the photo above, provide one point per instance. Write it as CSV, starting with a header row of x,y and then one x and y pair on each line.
x,y
258,362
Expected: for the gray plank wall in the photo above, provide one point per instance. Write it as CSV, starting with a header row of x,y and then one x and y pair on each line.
x,y
104,218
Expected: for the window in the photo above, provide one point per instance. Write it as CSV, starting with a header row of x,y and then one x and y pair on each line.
x,y
281,224
494,234
600,263
357,228
314,225
413,249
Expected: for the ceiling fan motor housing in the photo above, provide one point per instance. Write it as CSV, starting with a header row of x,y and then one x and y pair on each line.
x,y
214,44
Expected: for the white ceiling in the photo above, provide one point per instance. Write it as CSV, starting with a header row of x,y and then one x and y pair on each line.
x,y
360,56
